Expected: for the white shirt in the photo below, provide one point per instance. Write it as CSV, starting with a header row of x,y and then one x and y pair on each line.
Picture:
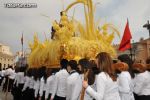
x,y
142,83
42,86
60,83
49,84
36,87
87,96
12,74
2,73
29,83
8,72
74,86
106,88
19,78
125,85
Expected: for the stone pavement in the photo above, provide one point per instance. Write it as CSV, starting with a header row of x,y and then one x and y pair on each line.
x,y
3,95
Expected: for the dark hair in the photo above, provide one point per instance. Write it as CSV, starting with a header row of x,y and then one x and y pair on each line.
x,y
105,64
55,70
93,71
10,67
36,74
42,71
148,60
49,72
17,69
29,72
84,63
22,69
73,64
114,61
64,63
125,58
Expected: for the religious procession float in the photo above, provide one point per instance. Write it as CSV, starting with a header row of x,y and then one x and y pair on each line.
x,y
73,40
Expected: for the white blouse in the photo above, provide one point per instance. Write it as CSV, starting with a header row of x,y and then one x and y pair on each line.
x,y
106,88
74,86
36,87
42,86
60,83
142,83
49,85
125,86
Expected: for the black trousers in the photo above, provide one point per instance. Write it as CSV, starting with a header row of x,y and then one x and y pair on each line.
x,y
11,81
144,97
136,97
1,80
49,97
17,92
59,98
5,84
43,96
28,94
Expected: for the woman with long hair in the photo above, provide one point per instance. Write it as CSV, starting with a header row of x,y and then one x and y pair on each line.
x,y
107,88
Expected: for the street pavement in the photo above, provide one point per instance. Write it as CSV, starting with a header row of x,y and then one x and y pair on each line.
x,y
3,95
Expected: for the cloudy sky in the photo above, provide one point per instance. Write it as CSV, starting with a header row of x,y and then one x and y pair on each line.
x,y
15,21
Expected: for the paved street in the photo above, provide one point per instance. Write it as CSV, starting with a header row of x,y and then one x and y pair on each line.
x,y
3,95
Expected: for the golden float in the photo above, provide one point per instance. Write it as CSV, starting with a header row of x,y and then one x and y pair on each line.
x,y
70,39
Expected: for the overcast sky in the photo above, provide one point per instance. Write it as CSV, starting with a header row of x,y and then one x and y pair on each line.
x,y
14,21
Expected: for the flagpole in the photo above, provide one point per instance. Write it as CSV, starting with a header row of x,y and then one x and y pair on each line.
x,y
131,52
22,50
22,44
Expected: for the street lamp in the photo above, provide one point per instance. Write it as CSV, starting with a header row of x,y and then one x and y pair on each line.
x,y
147,25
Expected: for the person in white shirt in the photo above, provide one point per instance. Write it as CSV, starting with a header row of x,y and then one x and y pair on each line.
x,y
28,92
43,78
1,75
14,91
50,84
11,79
73,82
19,82
124,81
8,82
60,87
107,88
148,69
92,77
36,83
86,70
141,82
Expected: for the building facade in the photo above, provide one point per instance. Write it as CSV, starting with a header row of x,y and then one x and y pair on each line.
x,y
139,52
6,56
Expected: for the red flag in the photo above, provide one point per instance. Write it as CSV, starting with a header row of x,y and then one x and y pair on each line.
x,y
22,39
126,39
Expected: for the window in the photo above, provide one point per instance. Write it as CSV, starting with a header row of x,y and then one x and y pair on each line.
x,y
4,65
0,65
